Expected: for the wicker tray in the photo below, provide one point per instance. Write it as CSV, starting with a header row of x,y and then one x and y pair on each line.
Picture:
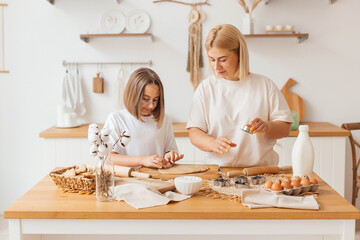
x,y
82,183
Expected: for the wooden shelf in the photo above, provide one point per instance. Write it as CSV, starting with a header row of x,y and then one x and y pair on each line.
x,y
267,1
86,37
53,1
4,72
301,36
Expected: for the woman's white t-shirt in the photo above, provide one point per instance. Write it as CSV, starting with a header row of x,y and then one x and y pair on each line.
x,y
146,138
220,107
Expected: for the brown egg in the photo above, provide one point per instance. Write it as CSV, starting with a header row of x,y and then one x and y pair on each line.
x,y
297,178
286,179
276,186
285,183
278,181
305,182
304,176
268,184
295,183
313,181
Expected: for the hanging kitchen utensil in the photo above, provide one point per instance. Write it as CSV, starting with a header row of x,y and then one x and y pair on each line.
x,y
98,83
118,90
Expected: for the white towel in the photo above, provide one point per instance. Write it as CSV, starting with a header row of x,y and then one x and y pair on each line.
x,y
255,198
118,90
142,196
71,93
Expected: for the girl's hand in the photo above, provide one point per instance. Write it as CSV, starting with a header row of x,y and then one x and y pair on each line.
x,y
259,126
154,161
222,144
173,156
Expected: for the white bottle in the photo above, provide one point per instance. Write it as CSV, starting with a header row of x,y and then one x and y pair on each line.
x,y
303,153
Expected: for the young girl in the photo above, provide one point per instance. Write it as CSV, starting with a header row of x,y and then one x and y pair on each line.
x,y
152,140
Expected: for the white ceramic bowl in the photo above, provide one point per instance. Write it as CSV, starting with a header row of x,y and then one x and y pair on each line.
x,y
289,27
188,185
269,27
279,27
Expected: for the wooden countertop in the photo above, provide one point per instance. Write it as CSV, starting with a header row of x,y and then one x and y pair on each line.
x,y
317,129
46,201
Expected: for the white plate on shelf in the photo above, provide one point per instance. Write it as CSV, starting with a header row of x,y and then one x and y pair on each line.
x,y
113,21
137,21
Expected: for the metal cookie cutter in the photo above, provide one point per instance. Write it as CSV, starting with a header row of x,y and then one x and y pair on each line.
x,y
241,179
240,185
257,180
246,129
220,182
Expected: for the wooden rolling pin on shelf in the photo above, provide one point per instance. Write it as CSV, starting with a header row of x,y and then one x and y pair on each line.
x,y
258,170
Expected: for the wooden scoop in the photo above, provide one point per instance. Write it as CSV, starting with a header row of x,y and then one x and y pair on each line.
x,y
258,170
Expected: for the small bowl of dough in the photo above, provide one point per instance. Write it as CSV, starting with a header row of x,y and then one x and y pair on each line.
x,y
188,185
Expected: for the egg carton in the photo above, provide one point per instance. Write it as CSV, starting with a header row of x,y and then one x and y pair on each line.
x,y
295,190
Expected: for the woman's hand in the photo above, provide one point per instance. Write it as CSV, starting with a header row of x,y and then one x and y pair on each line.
x,y
173,156
154,161
222,144
259,126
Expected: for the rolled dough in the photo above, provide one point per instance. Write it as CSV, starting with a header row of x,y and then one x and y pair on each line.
x,y
184,169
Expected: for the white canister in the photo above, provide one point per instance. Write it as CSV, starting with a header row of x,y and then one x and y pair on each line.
x,y
302,156
61,110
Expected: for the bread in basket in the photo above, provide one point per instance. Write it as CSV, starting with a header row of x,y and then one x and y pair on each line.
x,y
74,179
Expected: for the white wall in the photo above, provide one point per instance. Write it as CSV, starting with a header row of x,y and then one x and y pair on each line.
x,y
38,36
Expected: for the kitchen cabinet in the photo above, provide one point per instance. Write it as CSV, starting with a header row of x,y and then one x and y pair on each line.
x,y
66,147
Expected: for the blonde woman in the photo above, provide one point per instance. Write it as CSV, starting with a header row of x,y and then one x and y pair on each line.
x,y
233,97
152,138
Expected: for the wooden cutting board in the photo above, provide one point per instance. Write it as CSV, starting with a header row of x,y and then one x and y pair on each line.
x,y
294,101
160,185
213,172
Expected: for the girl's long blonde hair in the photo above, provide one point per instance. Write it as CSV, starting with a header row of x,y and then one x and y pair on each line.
x,y
227,36
134,90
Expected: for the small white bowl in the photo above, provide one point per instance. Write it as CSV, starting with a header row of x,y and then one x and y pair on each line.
x,y
269,27
279,27
289,27
188,185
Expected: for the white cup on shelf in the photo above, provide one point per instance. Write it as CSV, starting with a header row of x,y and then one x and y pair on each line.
x,y
279,27
289,27
269,27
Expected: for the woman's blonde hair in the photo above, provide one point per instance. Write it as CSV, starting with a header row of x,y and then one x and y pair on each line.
x,y
134,90
229,37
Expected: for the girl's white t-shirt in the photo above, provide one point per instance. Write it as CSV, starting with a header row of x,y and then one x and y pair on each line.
x,y
146,138
220,107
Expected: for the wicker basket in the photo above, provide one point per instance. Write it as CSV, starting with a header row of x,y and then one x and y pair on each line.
x,y
78,184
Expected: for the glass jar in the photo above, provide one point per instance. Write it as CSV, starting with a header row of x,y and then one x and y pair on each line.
x,y
104,172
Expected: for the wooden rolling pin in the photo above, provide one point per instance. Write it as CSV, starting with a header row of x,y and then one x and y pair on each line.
x,y
258,170
121,171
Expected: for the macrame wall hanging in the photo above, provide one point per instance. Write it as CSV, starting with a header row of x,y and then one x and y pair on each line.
x,y
195,58
2,49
